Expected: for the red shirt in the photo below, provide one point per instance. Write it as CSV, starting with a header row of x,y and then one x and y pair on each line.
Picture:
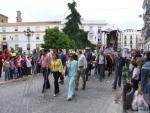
x,y
7,55
1,58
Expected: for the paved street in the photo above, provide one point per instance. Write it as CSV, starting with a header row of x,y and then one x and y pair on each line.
x,y
97,98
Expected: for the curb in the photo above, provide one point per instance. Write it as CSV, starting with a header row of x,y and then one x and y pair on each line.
x,y
14,80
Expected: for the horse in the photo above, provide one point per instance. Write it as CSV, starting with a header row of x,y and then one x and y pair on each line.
x,y
110,61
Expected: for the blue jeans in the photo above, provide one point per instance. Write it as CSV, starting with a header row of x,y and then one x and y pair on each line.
x,y
46,84
117,78
100,68
12,73
7,74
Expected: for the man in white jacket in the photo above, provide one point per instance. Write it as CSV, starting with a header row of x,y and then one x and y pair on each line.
x,y
82,65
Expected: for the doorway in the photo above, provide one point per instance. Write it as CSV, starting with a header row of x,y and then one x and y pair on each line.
x,y
4,46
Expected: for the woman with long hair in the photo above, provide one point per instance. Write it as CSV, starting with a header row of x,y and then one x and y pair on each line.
x,y
56,68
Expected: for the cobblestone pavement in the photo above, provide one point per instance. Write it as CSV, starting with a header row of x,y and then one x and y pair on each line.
x,y
97,98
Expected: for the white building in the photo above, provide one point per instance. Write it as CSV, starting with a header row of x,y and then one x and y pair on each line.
x,y
12,34
132,39
93,27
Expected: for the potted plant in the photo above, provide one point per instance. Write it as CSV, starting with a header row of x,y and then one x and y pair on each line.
x,y
126,87
126,74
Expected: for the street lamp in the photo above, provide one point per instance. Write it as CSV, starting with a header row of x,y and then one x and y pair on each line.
x,y
28,33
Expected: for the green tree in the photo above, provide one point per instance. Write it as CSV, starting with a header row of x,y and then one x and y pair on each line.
x,y
73,30
55,39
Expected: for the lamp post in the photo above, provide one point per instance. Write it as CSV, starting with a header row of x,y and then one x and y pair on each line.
x,y
28,33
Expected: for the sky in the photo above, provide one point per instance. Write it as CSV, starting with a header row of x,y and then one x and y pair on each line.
x,y
122,13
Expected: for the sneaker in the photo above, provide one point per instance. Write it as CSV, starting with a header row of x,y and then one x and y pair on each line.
x,y
54,95
69,99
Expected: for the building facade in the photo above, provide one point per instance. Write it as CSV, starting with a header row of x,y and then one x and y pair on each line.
x,y
3,19
12,34
132,39
146,28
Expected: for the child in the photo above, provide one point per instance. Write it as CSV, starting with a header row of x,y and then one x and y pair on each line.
x,y
139,102
28,63
6,67
12,68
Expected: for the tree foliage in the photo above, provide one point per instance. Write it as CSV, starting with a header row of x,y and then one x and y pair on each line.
x,y
72,28
55,39
72,25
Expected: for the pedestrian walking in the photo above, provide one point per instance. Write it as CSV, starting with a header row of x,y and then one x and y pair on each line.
x,y
88,55
63,58
100,65
82,66
72,68
57,69
118,70
45,61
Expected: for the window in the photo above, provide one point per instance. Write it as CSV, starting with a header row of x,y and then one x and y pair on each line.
x,y
4,37
136,39
131,37
91,28
125,37
4,29
16,29
91,35
130,41
125,43
16,37
131,46
37,38
16,46
37,28
99,30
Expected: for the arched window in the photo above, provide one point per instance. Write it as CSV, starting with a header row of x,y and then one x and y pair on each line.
x,y
131,37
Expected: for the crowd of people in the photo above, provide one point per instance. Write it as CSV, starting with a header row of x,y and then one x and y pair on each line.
x,y
138,86
79,64
16,65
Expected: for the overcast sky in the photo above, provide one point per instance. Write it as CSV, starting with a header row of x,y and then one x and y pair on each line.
x,y
123,13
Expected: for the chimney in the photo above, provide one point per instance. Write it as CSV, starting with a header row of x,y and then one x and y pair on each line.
x,y
18,18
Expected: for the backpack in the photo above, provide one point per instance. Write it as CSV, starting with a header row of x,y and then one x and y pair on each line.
x,y
6,64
